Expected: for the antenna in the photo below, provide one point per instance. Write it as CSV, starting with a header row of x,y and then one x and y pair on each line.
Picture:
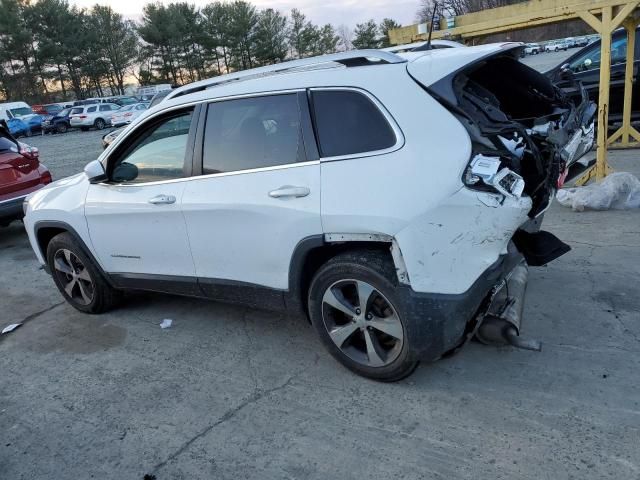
x,y
433,16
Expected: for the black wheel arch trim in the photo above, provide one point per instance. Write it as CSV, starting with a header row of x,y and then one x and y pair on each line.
x,y
71,231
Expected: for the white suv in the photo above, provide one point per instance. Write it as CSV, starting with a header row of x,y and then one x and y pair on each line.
x,y
389,200
97,115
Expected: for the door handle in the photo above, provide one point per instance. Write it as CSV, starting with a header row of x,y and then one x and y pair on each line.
x,y
162,200
289,191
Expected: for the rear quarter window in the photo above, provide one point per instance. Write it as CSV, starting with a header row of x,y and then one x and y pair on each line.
x,y
348,123
76,111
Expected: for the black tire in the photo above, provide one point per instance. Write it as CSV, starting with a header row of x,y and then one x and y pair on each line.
x,y
376,270
102,296
61,128
99,124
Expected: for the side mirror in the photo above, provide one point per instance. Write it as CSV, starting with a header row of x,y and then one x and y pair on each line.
x,y
95,172
125,172
565,67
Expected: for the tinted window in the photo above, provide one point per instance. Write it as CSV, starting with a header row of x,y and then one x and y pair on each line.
x,y
348,122
590,59
158,154
252,133
77,111
105,108
91,109
7,145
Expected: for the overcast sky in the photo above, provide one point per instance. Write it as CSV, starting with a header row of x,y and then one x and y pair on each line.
x,y
337,12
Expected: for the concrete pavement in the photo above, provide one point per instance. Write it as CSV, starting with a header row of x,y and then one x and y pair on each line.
x,y
229,393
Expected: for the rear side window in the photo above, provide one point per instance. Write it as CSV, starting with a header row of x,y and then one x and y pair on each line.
x,y
348,123
252,133
91,109
105,108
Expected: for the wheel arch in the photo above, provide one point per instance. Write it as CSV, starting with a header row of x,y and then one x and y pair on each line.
x,y
314,251
45,231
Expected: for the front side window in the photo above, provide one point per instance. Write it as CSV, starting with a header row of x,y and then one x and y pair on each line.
x,y
590,60
348,123
252,133
157,154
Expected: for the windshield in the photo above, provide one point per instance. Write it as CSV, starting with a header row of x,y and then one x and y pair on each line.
x,y
20,112
64,112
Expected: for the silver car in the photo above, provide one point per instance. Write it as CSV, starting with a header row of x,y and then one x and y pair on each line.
x,y
97,115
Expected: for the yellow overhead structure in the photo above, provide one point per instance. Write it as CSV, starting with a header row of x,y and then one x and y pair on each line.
x,y
604,16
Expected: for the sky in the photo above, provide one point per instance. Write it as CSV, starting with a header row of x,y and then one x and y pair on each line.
x,y
337,12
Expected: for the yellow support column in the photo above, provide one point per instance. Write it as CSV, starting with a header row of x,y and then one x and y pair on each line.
x,y
604,27
626,131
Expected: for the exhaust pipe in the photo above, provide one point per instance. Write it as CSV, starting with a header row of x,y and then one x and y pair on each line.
x,y
501,323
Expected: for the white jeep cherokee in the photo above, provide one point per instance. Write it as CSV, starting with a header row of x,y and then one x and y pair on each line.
x,y
389,198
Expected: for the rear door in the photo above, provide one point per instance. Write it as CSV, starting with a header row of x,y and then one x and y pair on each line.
x,y
17,173
259,193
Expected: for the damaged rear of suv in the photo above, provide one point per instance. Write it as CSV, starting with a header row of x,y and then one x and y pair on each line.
x,y
525,132
395,200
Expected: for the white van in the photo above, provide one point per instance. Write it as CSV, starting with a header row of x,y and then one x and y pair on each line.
x,y
14,110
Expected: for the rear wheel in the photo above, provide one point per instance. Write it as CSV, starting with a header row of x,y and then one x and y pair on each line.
x,y
354,308
77,278
99,124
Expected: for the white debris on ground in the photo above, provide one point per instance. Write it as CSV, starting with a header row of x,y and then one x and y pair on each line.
x,y
619,191
10,328
166,323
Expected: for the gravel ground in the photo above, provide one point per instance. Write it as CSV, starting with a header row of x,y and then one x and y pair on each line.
x,y
68,153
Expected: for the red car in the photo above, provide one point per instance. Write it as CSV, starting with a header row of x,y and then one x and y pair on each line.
x,y
20,174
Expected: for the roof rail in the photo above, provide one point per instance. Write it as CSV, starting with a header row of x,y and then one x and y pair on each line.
x,y
352,58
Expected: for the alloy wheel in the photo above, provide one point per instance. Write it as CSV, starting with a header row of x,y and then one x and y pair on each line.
x,y
100,124
73,276
362,323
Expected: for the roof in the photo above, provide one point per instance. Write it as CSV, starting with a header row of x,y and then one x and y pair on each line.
x,y
356,68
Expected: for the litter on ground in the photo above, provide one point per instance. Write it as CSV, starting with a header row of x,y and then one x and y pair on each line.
x,y
166,323
10,328
619,191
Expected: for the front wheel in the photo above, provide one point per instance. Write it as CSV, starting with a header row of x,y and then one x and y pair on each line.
x,y
61,127
77,278
354,307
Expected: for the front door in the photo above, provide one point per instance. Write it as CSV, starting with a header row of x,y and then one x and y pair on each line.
x,y
258,197
135,219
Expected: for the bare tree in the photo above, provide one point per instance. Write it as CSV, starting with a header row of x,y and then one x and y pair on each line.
x,y
345,35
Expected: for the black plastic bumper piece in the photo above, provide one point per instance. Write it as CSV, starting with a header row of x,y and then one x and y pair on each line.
x,y
436,322
539,248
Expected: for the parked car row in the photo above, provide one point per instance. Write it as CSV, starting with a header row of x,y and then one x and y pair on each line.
x,y
558,45
23,120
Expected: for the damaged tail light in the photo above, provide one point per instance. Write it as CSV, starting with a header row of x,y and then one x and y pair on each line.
x,y
488,171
